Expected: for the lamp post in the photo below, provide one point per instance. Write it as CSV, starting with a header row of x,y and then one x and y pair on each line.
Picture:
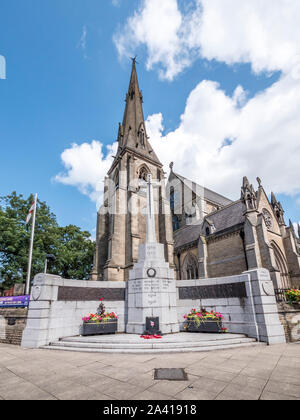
x,y
49,258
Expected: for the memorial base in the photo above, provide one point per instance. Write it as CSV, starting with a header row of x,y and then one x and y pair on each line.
x,y
152,292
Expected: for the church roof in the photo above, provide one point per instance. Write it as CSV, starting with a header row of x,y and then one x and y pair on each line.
x,y
187,235
209,195
228,216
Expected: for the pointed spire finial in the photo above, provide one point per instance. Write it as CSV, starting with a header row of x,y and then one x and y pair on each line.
x,y
134,60
259,182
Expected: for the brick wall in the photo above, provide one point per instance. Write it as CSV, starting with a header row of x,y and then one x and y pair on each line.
x,y
12,334
226,256
290,318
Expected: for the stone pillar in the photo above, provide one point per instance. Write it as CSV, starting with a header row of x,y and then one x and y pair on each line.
x,y
152,291
261,289
151,286
202,258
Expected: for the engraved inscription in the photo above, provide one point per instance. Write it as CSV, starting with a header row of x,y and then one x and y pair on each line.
x,y
232,290
90,294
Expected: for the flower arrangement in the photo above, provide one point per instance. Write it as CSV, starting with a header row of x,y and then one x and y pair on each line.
x,y
204,321
203,316
100,316
293,296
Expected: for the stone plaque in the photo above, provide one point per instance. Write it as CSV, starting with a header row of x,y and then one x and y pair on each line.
x,y
90,294
219,291
152,326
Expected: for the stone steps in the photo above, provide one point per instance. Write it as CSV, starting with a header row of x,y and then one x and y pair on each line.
x,y
182,342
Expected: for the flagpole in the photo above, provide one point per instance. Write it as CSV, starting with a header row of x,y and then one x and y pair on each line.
x,y
27,292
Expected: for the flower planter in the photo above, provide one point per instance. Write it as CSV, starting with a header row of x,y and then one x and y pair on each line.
x,y
212,327
98,328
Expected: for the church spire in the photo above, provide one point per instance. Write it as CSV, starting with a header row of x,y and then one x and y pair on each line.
x,y
133,115
132,132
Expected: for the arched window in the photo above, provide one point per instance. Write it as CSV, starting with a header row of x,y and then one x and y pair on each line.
x,y
143,173
142,137
282,266
190,268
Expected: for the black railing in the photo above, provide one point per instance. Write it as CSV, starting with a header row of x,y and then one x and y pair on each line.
x,y
280,295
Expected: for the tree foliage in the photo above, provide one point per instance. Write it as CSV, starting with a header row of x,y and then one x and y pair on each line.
x,y
71,246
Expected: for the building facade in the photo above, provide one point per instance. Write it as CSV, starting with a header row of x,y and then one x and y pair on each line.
x,y
239,236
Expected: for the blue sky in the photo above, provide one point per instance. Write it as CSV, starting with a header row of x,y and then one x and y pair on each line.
x,y
66,83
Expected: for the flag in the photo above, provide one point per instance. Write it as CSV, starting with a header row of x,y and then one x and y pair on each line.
x,y
30,213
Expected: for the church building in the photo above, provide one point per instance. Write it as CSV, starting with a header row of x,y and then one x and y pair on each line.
x,y
205,234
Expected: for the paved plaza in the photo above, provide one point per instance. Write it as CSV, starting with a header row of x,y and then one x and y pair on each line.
x,y
253,373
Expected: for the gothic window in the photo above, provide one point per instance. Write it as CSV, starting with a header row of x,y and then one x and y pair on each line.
x,y
207,231
117,179
172,199
175,223
143,174
142,136
267,218
190,268
250,202
194,198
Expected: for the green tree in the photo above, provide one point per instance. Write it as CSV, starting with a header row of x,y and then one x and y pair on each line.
x,y
71,246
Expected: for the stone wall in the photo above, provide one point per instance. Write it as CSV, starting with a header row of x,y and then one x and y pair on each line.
x,y
247,302
226,255
290,318
57,307
12,324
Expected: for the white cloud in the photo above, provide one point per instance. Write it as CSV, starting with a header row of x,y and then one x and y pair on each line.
x,y
264,134
86,168
155,24
82,42
261,32
296,227
116,3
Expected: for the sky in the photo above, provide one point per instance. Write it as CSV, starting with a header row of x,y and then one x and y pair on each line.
x,y
221,88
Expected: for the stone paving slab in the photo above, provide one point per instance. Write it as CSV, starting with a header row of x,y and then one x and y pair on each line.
x,y
258,373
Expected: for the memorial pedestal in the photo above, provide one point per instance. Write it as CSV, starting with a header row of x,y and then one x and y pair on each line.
x,y
152,292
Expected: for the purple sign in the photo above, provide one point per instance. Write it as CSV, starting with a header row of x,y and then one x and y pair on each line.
x,y
14,301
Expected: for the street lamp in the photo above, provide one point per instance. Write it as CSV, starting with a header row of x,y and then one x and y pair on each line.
x,y
49,258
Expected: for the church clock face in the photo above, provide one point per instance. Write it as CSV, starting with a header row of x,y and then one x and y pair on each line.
x,y
267,218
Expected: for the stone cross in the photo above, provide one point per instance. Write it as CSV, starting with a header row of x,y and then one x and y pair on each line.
x,y
150,232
